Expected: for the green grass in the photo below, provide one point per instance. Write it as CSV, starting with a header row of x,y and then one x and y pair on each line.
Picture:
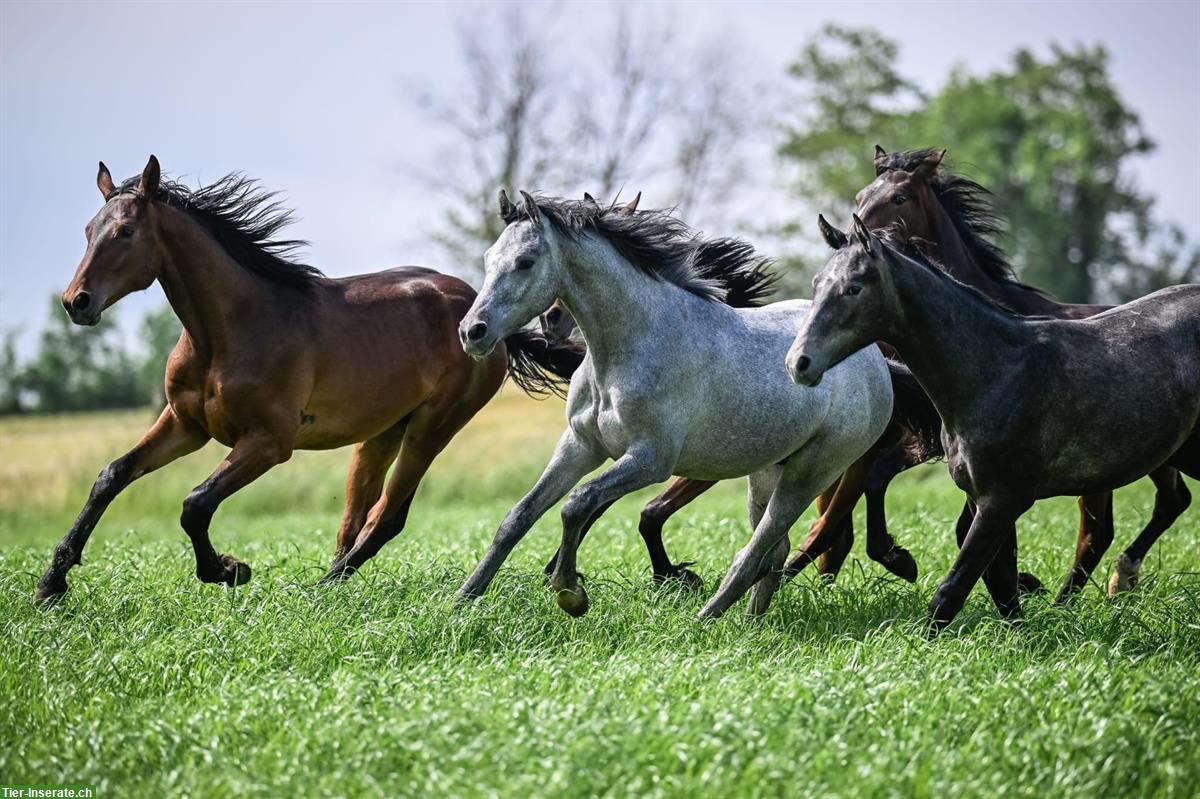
x,y
146,681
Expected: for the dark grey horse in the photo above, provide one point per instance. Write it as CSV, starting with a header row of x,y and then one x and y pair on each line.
x,y
1031,408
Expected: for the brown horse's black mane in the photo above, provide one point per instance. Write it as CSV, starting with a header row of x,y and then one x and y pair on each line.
x,y
663,246
244,218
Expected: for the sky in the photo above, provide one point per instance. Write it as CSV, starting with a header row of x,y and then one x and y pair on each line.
x,y
317,100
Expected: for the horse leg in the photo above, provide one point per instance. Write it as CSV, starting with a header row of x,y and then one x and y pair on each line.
x,y
429,429
639,467
758,494
681,492
991,528
831,560
572,459
881,547
168,439
1170,501
548,569
251,458
794,492
364,483
1095,536
826,529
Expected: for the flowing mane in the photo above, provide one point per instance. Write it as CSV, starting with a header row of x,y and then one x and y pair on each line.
x,y
969,207
664,247
244,218
895,239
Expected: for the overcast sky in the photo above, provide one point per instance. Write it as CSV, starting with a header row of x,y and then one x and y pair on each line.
x,y
316,100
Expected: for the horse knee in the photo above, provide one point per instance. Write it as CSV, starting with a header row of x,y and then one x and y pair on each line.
x,y
198,509
578,508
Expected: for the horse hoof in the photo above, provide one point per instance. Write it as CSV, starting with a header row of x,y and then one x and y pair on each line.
x,y
573,600
232,572
682,576
1124,577
49,592
901,563
1028,585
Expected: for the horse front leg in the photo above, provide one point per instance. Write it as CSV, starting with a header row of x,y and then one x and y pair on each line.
x,y
572,459
168,439
991,527
250,458
639,467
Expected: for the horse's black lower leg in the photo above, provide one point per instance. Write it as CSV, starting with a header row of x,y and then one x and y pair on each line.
x,y
1172,499
249,460
1095,537
881,547
992,525
167,440
549,568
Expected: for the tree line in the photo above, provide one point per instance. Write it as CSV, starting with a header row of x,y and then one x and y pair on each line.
x,y
1049,135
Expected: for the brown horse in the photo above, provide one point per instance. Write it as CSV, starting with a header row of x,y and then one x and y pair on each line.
x,y
275,357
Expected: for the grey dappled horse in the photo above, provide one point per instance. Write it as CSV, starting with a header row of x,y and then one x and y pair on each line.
x,y
674,382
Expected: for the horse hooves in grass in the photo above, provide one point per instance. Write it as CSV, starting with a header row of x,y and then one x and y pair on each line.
x,y
1028,585
573,600
680,575
49,592
900,563
232,572
1124,577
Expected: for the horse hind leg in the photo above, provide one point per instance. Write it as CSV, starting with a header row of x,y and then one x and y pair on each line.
x,y
1095,537
425,436
364,483
1171,500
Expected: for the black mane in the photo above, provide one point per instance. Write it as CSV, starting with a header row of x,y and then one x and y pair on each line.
x,y
244,219
664,247
894,238
969,206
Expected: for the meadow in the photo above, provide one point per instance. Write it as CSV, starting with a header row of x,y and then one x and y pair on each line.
x,y
146,682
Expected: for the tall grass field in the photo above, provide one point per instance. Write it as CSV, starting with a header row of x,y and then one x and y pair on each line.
x,y
145,682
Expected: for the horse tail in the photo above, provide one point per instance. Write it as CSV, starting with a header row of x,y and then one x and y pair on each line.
x,y
540,366
914,412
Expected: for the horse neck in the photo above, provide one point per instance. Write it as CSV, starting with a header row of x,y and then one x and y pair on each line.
x,y
954,343
956,257
211,293
611,299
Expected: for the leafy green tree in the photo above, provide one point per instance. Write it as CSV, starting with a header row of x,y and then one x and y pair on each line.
x,y
1052,138
10,377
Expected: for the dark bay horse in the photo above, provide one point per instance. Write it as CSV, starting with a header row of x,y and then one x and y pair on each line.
x,y
275,357
1032,408
952,217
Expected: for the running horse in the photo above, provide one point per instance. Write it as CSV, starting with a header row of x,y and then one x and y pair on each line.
x,y
951,216
274,357
1032,407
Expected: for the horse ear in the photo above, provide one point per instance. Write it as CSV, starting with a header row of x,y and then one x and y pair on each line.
x,y
863,235
880,156
148,185
931,162
833,237
506,206
587,198
104,182
632,205
529,206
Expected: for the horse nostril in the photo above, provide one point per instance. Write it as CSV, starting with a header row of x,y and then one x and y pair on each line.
x,y
554,316
802,363
476,331
81,302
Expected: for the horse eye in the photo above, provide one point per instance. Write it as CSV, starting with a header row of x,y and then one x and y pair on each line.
x,y
900,199
853,289
125,232
525,263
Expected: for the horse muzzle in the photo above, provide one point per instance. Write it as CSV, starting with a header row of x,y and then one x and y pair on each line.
x,y
83,308
477,338
803,370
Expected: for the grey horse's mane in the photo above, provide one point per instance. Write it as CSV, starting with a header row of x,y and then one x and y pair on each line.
x,y
664,247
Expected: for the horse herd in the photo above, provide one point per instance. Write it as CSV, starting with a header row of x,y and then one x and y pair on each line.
x,y
683,370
